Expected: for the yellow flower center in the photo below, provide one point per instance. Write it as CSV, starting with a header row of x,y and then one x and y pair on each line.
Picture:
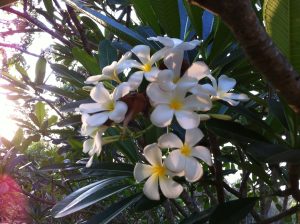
x,y
110,106
147,67
176,79
159,171
186,150
175,104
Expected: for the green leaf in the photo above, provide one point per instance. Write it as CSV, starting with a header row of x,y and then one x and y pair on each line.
x,y
107,53
119,29
93,26
18,138
145,203
40,111
83,198
40,71
72,120
168,16
282,24
195,14
233,211
198,217
111,212
276,108
234,131
49,6
60,92
88,61
290,156
68,75
109,169
146,14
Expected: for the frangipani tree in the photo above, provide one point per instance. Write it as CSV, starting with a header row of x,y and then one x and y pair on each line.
x,y
150,111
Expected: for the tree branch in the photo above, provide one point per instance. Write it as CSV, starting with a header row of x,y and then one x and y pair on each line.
x,y
19,48
259,47
281,215
39,25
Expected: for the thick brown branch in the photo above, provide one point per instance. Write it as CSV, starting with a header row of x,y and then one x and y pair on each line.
x,y
262,52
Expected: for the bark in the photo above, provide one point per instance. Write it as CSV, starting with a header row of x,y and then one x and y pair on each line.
x,y
241,18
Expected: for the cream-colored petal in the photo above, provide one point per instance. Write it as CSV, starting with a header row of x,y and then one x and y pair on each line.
x,y
91,107
98,142
193,169
202,153
100,94
169,140
169,187
197,71
141,171
153,154
135,80
157,95
152,75
94,79
89,163
151,188
121,90
97,119
162,116
166,41
174,61
225,83
193,136
187,119
118,114
142,52
235,96
197,103
108,70
175,161
87,145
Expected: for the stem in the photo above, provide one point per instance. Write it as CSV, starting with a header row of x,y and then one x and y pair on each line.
x,y
19,48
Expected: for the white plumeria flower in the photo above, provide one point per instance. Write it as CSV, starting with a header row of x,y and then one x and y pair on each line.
x,y
175,44
107,106
183,157
146,66
170,103
220,90
157,174
93,146
112,71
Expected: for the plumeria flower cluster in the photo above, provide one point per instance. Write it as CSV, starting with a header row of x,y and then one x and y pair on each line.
x,y
174,92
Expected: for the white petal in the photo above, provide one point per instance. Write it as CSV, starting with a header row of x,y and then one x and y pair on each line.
x,y
169,187
207,89
240,97
118,114
97,119
165,80
193,136
228,100
170,140
108,70
189,45
198,70
193,169
94,79
196,103
121,90
187,119
157,56
151,76
142,52
225,83
89,163
175,161
166,41
153,154
202,153
141,171
100,94
157,95
174,61
91,107
98,142
87,145
162,116
151,188
135,80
